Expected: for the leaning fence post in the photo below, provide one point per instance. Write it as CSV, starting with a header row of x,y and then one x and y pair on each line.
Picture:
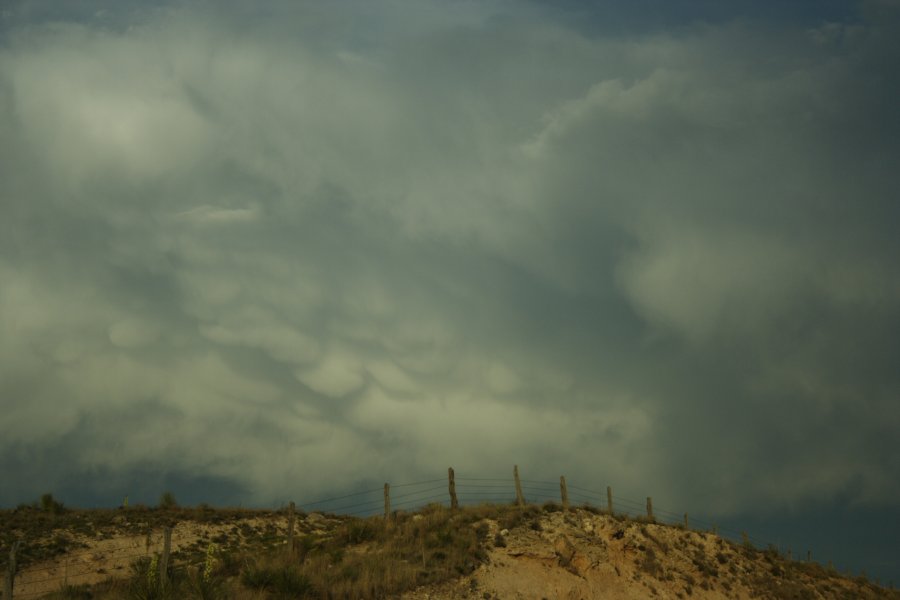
x,y
649,508
387,501
11,571
451,476
290,531
564,492
520,498
609,504
164,559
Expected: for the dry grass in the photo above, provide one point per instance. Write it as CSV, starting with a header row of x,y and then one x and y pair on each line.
x,y
355,558
374,558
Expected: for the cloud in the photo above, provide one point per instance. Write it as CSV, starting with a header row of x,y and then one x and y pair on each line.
x,y
132,333
336,375
463,234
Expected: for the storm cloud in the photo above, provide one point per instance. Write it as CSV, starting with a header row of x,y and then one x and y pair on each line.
x,y
302,247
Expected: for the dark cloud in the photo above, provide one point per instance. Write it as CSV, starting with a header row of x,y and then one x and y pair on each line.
x,y
234,252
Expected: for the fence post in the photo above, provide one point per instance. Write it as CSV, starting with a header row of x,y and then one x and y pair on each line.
x,y
564,492
520,498
649,508
686,522
609,504
290,531
164,559
11,571
809,556
387,501
451,476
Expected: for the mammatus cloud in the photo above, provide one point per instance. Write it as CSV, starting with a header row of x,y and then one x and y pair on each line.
x,y
474,237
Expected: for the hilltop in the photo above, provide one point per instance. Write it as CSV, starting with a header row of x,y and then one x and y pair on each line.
x,y
484,552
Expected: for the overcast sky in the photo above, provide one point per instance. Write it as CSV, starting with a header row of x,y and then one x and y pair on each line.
x,y
264,251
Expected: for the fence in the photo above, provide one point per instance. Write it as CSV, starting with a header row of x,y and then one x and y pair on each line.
x,y
387,500
464,491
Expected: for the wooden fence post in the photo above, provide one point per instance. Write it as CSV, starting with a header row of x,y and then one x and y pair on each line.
x,y
686,527
649,508
809,556
11,571
564,492
387,501
609,504
454,503
520,498
164,559
290,531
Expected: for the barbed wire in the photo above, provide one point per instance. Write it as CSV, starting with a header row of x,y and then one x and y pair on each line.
x,y
469,491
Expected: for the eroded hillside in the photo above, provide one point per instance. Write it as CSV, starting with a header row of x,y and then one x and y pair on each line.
x,y
485,552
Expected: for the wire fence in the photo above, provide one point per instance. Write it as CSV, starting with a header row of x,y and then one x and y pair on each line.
x,y
77,567
497,490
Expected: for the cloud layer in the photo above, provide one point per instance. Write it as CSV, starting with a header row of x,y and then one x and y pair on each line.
x,y
362,245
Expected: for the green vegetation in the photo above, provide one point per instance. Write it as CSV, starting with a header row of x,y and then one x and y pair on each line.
x,y
167,501
50,505
244,556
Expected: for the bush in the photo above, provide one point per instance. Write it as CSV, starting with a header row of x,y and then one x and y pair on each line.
x,y
284,579
72,592
144,583
50,505
167,501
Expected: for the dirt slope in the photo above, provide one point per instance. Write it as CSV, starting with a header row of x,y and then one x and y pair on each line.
x,y
582,555
545,554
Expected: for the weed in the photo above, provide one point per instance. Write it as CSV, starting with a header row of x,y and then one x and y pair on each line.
x,y
167,501
49,505
71,592
551,507
650,565
286,580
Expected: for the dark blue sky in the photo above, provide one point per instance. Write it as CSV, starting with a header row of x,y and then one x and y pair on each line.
x,y
641,16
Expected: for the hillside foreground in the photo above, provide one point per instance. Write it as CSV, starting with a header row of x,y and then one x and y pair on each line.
x,y
485,552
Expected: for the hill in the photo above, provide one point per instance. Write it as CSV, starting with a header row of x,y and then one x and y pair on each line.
x,y
485,552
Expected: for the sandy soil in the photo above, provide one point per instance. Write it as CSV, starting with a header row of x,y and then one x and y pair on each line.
x,y
575,555
111,555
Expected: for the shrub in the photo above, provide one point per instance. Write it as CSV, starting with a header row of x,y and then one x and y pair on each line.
x,y
144,583
650,564
167,501
50,505
283,580
72,592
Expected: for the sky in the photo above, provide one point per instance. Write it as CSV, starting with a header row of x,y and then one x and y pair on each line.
x,y
255,252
